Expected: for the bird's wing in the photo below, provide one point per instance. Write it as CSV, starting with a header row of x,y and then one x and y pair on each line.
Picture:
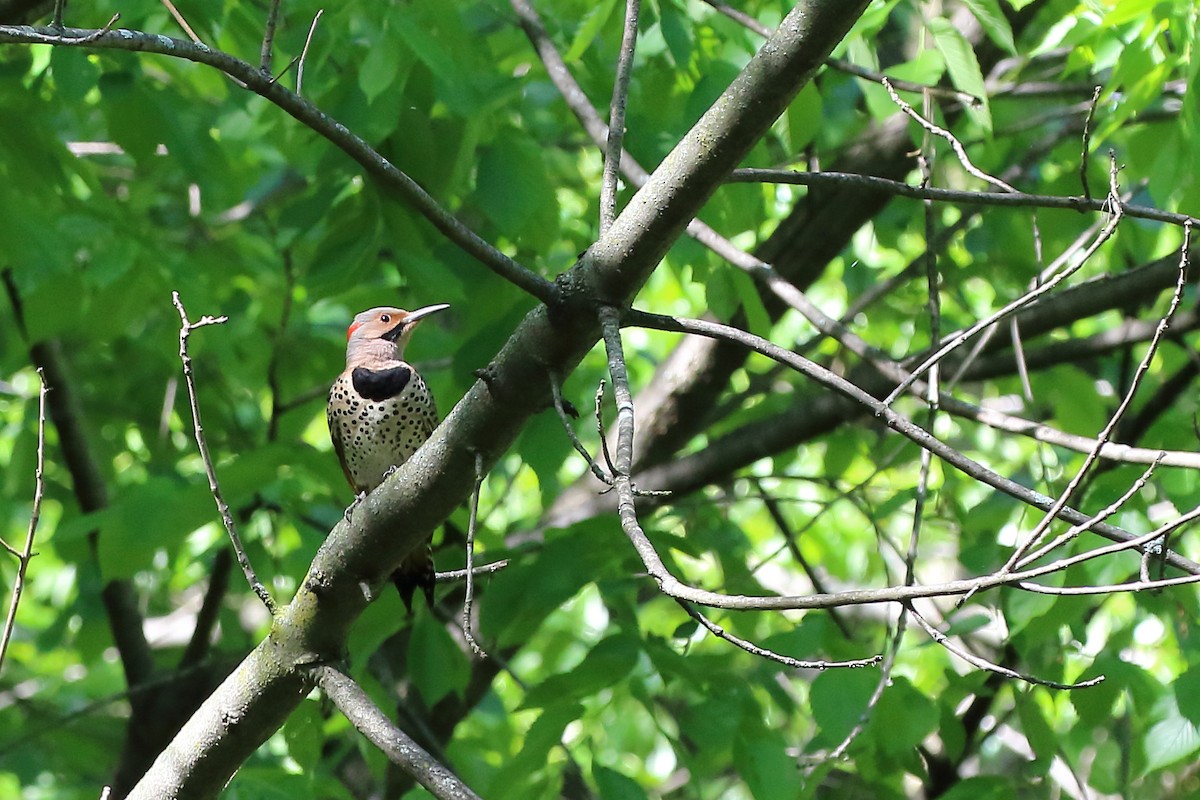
x,y
335,435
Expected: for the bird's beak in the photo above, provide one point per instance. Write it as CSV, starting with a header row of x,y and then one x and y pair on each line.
x,y
421,313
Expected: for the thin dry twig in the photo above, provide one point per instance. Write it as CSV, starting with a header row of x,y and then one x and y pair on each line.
x,y
955,144
982,663
1105,434
1085,155
185,329
616,119
1104,513
183,23
885,679
470,568
455,575
304,53
610,323
957,339
26,553
268,42
84,37
897,422
561,408
998,199
771,655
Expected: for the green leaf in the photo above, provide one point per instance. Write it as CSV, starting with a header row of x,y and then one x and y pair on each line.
x,y
608,662
902,718
594,19
1041,737
543,735
838,698
1172,738
513,188
762,761
991,18
303,734
981,787
146,517
615,786
963,67
1187,694
436,664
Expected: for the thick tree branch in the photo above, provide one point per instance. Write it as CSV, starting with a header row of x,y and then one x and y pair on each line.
x,y
357,556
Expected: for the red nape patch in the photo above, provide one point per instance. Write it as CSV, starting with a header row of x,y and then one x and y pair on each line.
x,y
353,327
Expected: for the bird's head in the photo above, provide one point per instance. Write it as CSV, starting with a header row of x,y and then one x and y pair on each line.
x,y
384,331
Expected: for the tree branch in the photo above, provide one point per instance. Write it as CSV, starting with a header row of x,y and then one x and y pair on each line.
x,y
26,553
398,746
185,329
358,555
312,117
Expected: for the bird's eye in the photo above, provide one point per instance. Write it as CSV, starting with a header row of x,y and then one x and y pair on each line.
x,y
385,318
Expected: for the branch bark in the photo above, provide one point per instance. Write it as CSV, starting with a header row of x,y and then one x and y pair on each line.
x,y
358,555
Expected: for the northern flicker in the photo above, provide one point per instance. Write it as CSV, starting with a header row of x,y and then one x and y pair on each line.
x,y
380,411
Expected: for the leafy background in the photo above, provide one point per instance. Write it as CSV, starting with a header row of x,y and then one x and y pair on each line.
x,y
125,177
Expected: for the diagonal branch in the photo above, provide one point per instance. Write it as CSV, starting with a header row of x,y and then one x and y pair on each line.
x,y
894,420
185,329
391,178
359,554
397,745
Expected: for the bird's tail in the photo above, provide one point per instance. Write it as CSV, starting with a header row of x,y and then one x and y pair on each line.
x,y
415,571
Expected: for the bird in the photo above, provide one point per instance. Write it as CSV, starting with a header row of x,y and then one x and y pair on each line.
x,y
380,411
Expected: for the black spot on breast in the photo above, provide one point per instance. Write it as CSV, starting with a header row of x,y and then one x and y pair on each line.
x,y
380,384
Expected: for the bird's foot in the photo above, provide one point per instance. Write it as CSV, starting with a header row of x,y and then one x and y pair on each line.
x,y
391,471
358,498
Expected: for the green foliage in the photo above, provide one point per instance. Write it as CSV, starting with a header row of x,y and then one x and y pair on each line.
x,y
124,176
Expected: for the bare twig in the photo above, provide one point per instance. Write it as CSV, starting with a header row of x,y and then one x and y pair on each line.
x,y
183,23
962,336
470,568
454,575
397,745
304,53
560,407
955,144
1002,199
1067,493
885,679
982,663
1085,155
1074,531
185,329
770,655
897,422
793,546
616,119
39,489
268,42
610,323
